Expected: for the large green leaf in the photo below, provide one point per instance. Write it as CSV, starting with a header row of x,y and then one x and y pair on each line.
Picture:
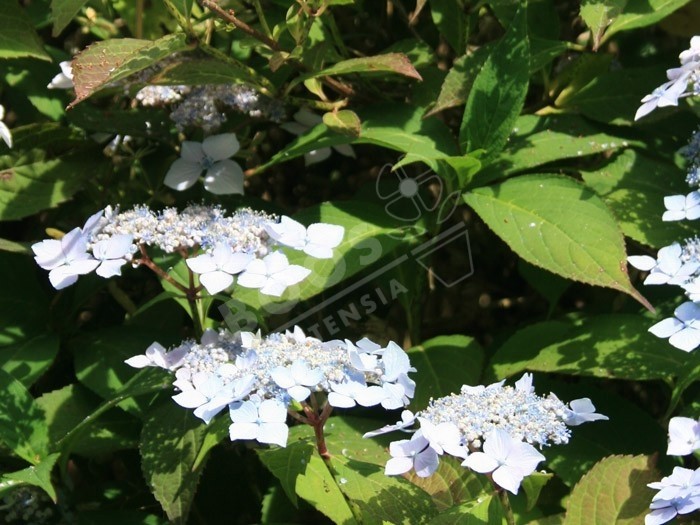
x,y
541,140
370,235
174,447
208,71
452,484
451,20
444,364
558,224
111,60
22,425
67,407
17,36
614,491
486,510
498,93
634,186
63,11
609,346
29,359
394,126
29,182
642,13
302,472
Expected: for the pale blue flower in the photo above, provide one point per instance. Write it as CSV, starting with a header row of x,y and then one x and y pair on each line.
x,y
318,240
415,453
683,436
296,379
66,259
507,459
112,253
582,411
216,269
683,330
265,422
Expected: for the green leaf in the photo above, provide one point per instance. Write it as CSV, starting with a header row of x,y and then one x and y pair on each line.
x,y
17,35
200,71
560,225
292,462
99,360
634,186
62,12
345,122
592,442
459,80
22,425
607,97
623,482
498,93
540,140
38,475
30,182
451,21
487,510
609,346
67,407
642,13
302,472
599,14
7,245
444,364
370,235
110,60
389,63
174,446
394,126
533,485
452,484
27,360
380,498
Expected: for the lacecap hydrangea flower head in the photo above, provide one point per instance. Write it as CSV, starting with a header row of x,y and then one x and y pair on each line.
x,y
493,429
217,247
263,380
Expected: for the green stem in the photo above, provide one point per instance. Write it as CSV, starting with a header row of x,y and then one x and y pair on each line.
x,y
261,16
195,304
505,502
138,30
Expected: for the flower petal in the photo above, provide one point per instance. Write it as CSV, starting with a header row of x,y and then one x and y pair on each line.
x,y
219,147
182,174
225,177
216,281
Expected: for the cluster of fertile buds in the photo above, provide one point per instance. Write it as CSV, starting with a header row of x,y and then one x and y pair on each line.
x,y
492,429
216,247
262,380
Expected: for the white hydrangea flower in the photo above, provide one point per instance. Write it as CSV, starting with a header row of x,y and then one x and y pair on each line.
x,y
682,207
304,121
112,253
513,418
273,274
63,80
5,133
415,453
222,175
683,436
157,355
66,259
670,266
683,330
318,240
216,269
508,460
265,421
678,493
582,411
297,379
666,94
234,369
